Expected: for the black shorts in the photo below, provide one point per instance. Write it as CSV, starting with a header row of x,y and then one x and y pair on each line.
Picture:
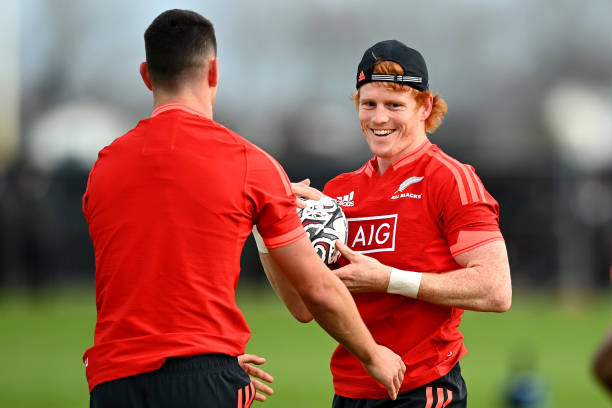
x,y
445,392
208,380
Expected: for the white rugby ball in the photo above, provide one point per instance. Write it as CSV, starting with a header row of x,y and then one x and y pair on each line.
x,y
325,223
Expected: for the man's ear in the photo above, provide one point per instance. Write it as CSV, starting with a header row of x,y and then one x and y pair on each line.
x,y
213,72
144,73
427,108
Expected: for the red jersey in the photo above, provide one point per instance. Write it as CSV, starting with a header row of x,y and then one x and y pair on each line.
x,y
169,207
424,210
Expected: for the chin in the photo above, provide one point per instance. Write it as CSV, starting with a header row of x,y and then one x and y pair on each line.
x,y
378,150
382,153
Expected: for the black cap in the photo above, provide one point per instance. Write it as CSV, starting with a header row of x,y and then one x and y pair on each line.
x,y
413,63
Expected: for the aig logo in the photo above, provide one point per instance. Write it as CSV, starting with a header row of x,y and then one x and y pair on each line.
x,y
372,234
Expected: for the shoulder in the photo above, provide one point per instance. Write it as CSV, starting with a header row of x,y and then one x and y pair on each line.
x,y
121,142
456,185
251,148
226,135
446,171
262,167
231,135
444,165
254,155
348,177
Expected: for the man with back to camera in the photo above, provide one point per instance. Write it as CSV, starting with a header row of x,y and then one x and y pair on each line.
x,y
169,206
424,241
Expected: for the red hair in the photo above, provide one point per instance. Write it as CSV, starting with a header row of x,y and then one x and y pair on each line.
x,y
438,109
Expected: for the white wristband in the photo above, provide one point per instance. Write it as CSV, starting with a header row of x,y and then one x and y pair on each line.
x,y
404,283
261,247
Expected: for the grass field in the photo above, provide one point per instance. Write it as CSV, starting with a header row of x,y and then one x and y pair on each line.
x,y
42,339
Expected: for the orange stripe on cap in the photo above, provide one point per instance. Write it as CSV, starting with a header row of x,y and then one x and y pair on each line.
x,y
453,169
429,395
472,239
449,399
440,392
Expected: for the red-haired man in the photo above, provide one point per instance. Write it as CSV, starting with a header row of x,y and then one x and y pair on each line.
x,y
424,240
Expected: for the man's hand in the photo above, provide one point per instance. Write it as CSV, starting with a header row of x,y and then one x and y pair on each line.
x,y
388,369
245,362
363,274
303,189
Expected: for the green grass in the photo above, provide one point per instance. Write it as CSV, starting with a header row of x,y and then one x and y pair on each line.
x,y
42,340
554,339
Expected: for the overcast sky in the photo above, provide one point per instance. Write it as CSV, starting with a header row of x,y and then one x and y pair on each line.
x,y
282,57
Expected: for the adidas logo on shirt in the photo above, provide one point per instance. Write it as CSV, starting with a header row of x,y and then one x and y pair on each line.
x,y
346,200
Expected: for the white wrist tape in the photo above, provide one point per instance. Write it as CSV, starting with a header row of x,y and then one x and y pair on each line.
x,y
261,247
404,283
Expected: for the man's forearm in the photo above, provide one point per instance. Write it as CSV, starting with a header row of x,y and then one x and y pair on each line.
x,y
483,284
324,295
284,289
334,309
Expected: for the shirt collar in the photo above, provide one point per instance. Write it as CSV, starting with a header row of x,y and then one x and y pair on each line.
x,y
372,165
173,106
412,156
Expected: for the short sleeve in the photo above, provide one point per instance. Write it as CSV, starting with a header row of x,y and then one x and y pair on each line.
x,y
269,191
468,214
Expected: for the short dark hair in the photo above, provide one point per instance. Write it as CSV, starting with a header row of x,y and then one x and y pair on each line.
x,y
177,43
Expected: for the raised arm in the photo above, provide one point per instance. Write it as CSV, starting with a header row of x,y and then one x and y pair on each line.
x,y
482,283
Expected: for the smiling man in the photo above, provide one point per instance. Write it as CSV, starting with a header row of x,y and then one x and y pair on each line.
x,y
424,241
424,237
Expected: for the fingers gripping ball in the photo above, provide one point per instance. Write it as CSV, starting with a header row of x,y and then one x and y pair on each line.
x,y
325,222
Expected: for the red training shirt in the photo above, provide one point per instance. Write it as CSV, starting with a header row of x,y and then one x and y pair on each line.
x,y
169,207
424,210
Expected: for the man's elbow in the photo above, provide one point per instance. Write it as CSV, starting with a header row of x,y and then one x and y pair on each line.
x,y
298,309
302,316
318,300
500,301
500,294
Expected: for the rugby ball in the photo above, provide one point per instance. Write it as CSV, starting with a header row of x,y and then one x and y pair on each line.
x,y
325,223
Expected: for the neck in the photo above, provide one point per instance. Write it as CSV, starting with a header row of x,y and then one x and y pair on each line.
x,y
385,162
202,102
